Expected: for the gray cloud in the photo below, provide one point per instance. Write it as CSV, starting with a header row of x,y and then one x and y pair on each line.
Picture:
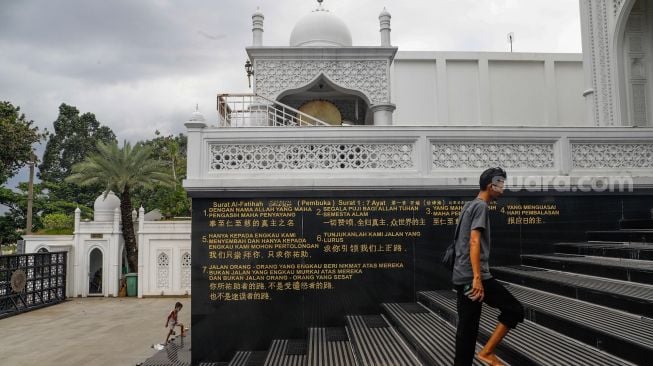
x,y
143,65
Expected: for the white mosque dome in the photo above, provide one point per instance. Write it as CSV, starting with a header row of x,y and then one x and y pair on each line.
x,y
320,28
104,207
197,117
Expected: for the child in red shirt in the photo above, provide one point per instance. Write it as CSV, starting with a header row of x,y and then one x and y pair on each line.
x,y
172,322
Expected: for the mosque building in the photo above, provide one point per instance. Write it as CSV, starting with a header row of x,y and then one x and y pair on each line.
x,y
330,123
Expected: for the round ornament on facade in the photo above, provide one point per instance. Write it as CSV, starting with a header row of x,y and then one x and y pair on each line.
x,y
18,281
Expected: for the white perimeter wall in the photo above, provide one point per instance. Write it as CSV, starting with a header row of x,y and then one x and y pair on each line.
x,y
490,89
164,258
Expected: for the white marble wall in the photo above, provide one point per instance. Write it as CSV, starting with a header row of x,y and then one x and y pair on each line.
x,y
164,251
164,256
488,89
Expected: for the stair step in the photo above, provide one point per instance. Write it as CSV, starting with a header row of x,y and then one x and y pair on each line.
x,y
624,335
376,343
628,296
626,236
433,338
608,249
240,358
329,347
620,269
535,344
287,352
256,358
636,224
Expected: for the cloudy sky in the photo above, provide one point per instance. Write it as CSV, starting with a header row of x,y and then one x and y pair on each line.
x,y
143,65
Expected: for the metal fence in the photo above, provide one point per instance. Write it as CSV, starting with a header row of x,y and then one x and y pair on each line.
x,y
31,281
253,110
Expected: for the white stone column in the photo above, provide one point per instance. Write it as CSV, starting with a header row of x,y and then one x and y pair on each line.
x,y
383,114
141,249
73,271
113,256
194,166
257,28
384,20
603,60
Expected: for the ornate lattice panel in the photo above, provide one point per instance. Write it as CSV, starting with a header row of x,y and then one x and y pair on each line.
x,y
185,270
30,281
367,76
163,270
626,156
312,156
483,155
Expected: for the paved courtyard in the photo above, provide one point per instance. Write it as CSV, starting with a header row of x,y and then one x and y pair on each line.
x,y
89,331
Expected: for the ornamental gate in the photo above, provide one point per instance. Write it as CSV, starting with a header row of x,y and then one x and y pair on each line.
x,y
31,281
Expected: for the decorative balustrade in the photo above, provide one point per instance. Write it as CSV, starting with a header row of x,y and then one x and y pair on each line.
x,y
398,156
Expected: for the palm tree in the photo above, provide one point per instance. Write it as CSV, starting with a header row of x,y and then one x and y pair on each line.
x,y
122,170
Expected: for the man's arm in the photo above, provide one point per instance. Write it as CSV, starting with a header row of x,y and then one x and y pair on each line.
x,y
475,259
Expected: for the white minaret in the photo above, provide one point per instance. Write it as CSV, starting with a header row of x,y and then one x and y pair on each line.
x,y
257,28
384,20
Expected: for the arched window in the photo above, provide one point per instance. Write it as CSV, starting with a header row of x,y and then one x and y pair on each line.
x,y
185,270
43,250
163,270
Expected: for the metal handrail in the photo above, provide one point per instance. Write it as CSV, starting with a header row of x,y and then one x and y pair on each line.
x,y
253,110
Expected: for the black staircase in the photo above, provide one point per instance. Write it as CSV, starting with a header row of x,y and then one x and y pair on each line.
x,y
589,303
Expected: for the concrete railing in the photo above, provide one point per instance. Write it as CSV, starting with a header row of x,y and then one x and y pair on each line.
x,y
252,110
411,157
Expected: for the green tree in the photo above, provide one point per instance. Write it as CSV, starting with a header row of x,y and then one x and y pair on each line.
x,y
58,223
17,134
9,232
170,200
75,136
43,205
123,170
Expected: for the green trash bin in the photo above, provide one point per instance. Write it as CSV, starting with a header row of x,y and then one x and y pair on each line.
x,y
132,284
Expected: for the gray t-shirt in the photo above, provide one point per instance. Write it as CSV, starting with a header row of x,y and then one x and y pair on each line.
x,y
474,215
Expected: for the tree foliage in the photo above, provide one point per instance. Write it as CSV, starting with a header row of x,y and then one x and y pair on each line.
x,y
17,134
170,200
58,221
43,205
75,136
9,230
123,170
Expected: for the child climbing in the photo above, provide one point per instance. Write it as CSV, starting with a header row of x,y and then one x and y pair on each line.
x,y
172,322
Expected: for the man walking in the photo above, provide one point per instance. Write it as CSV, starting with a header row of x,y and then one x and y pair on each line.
x,y
472,279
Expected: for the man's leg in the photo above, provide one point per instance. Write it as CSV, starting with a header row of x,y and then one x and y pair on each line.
x,y
469,313
512,312
487,353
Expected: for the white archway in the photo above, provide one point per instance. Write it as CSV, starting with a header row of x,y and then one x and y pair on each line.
x,y
321,87
96,272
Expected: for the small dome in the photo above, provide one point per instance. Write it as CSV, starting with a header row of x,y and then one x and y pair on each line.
x,y
257,13
104,207
384,13
197,116
320,28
